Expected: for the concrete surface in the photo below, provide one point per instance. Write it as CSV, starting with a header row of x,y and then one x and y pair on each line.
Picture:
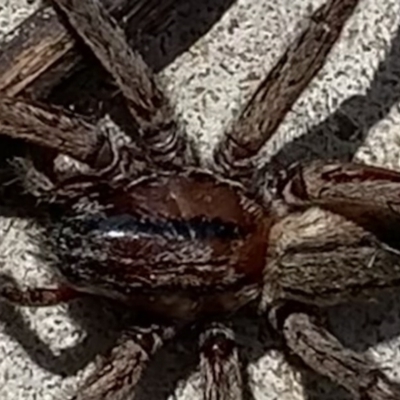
x,y
352,109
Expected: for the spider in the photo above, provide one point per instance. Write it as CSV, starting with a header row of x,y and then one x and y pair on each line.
x,y
147,225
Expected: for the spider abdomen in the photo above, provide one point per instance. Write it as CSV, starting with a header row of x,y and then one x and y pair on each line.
x,y
177,245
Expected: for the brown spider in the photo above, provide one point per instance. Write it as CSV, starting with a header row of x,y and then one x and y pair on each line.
x,y
182,244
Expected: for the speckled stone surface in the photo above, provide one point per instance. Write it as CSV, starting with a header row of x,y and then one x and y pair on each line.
x,y
351,110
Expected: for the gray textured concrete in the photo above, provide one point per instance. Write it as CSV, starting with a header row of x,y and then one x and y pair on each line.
x,y
358,90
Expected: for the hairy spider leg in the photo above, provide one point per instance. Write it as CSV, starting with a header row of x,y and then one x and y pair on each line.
x,y
220,370
148,105
283,85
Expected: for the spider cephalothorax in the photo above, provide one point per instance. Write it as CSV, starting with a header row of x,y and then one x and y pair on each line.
x,y
162,234
181,245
